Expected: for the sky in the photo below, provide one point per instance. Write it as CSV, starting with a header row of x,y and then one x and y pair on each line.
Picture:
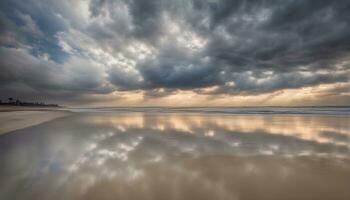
x,y
176,52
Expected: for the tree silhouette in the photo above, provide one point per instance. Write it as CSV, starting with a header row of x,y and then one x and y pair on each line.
x,y
16,102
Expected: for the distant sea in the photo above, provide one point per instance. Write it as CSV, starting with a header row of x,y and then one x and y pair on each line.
x,y
328,110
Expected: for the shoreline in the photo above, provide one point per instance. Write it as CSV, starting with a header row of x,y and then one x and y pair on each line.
x,y
14,118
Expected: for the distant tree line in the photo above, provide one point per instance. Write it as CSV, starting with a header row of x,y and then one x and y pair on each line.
x,y
12,102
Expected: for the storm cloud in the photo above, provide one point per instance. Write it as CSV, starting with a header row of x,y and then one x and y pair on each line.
x,y
91,47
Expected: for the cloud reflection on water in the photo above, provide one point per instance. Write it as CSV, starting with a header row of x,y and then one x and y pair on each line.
x,y
177,156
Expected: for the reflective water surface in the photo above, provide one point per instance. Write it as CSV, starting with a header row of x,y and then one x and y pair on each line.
x,y
178,156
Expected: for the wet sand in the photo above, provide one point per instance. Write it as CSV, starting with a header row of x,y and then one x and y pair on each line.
x,y
231,178
12,118
178,156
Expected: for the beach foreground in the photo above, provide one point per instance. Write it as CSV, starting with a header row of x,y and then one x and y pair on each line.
x,y
123,155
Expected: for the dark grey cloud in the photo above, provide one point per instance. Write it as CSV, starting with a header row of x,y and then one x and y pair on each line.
x,y
174,68
77,75
240,47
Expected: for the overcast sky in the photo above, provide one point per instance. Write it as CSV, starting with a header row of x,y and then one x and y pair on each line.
x,y
176,52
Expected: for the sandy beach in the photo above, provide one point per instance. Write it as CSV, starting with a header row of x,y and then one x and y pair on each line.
x,y
14,117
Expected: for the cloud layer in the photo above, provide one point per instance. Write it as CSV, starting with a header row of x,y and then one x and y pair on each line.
x,y
79,49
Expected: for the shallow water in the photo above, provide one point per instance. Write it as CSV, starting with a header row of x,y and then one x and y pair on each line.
x,y
178,156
